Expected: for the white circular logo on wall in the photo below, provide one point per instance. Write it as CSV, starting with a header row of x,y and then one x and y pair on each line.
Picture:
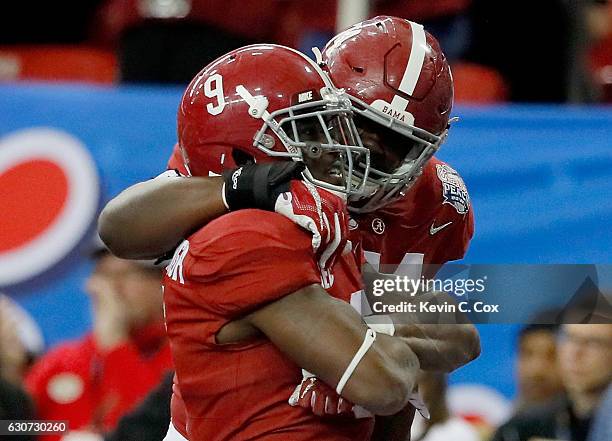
x,y
49,190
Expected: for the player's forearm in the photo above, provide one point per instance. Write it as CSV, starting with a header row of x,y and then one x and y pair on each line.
x,y
441,347
400,362
322,335
150,218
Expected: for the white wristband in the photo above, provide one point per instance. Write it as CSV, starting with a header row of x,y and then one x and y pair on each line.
x,y
367,342
223,196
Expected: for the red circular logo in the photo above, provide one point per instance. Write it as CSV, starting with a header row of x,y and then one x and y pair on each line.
x,y
49,195
37,191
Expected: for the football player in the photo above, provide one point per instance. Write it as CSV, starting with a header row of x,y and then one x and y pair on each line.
x,y
418,209
406,218
244,300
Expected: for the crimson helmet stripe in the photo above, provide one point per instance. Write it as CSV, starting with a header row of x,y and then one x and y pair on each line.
x,y
413,66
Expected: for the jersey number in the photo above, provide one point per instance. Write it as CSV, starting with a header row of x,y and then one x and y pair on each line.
x,y
213,88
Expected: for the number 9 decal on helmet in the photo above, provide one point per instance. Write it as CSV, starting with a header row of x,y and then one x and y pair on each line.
x,y
401,89
265,103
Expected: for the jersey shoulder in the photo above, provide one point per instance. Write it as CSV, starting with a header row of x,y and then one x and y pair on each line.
x,y
249,230
447,185
436,212
250,256
439,191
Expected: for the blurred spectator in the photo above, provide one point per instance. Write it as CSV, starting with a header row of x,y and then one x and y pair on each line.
x,y
441,426
93,381
21,341
14,402
538,376
585,360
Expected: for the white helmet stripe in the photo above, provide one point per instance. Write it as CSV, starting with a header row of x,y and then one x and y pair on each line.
x,y
413,67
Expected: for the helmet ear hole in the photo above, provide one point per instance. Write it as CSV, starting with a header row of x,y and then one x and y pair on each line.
x,y
242,158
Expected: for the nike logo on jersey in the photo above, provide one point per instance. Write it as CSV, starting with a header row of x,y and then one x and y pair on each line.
x,y
433,229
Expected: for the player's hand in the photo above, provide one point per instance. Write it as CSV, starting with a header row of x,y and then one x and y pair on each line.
x,y
279,187
324,215
258,185
315,395
321,399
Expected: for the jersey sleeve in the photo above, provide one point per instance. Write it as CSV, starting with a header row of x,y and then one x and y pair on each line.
x,y
248,258
465,235
460,234
456,207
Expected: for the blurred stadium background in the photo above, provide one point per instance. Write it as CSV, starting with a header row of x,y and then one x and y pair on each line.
x,y
88,98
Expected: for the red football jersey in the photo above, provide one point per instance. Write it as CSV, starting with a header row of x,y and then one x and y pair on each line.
x,y
234,265
432,224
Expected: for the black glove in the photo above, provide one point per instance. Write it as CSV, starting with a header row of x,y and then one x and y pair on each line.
x,y
259,185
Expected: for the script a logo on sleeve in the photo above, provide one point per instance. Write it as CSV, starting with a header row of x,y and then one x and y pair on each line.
x,y
453,188
175,269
